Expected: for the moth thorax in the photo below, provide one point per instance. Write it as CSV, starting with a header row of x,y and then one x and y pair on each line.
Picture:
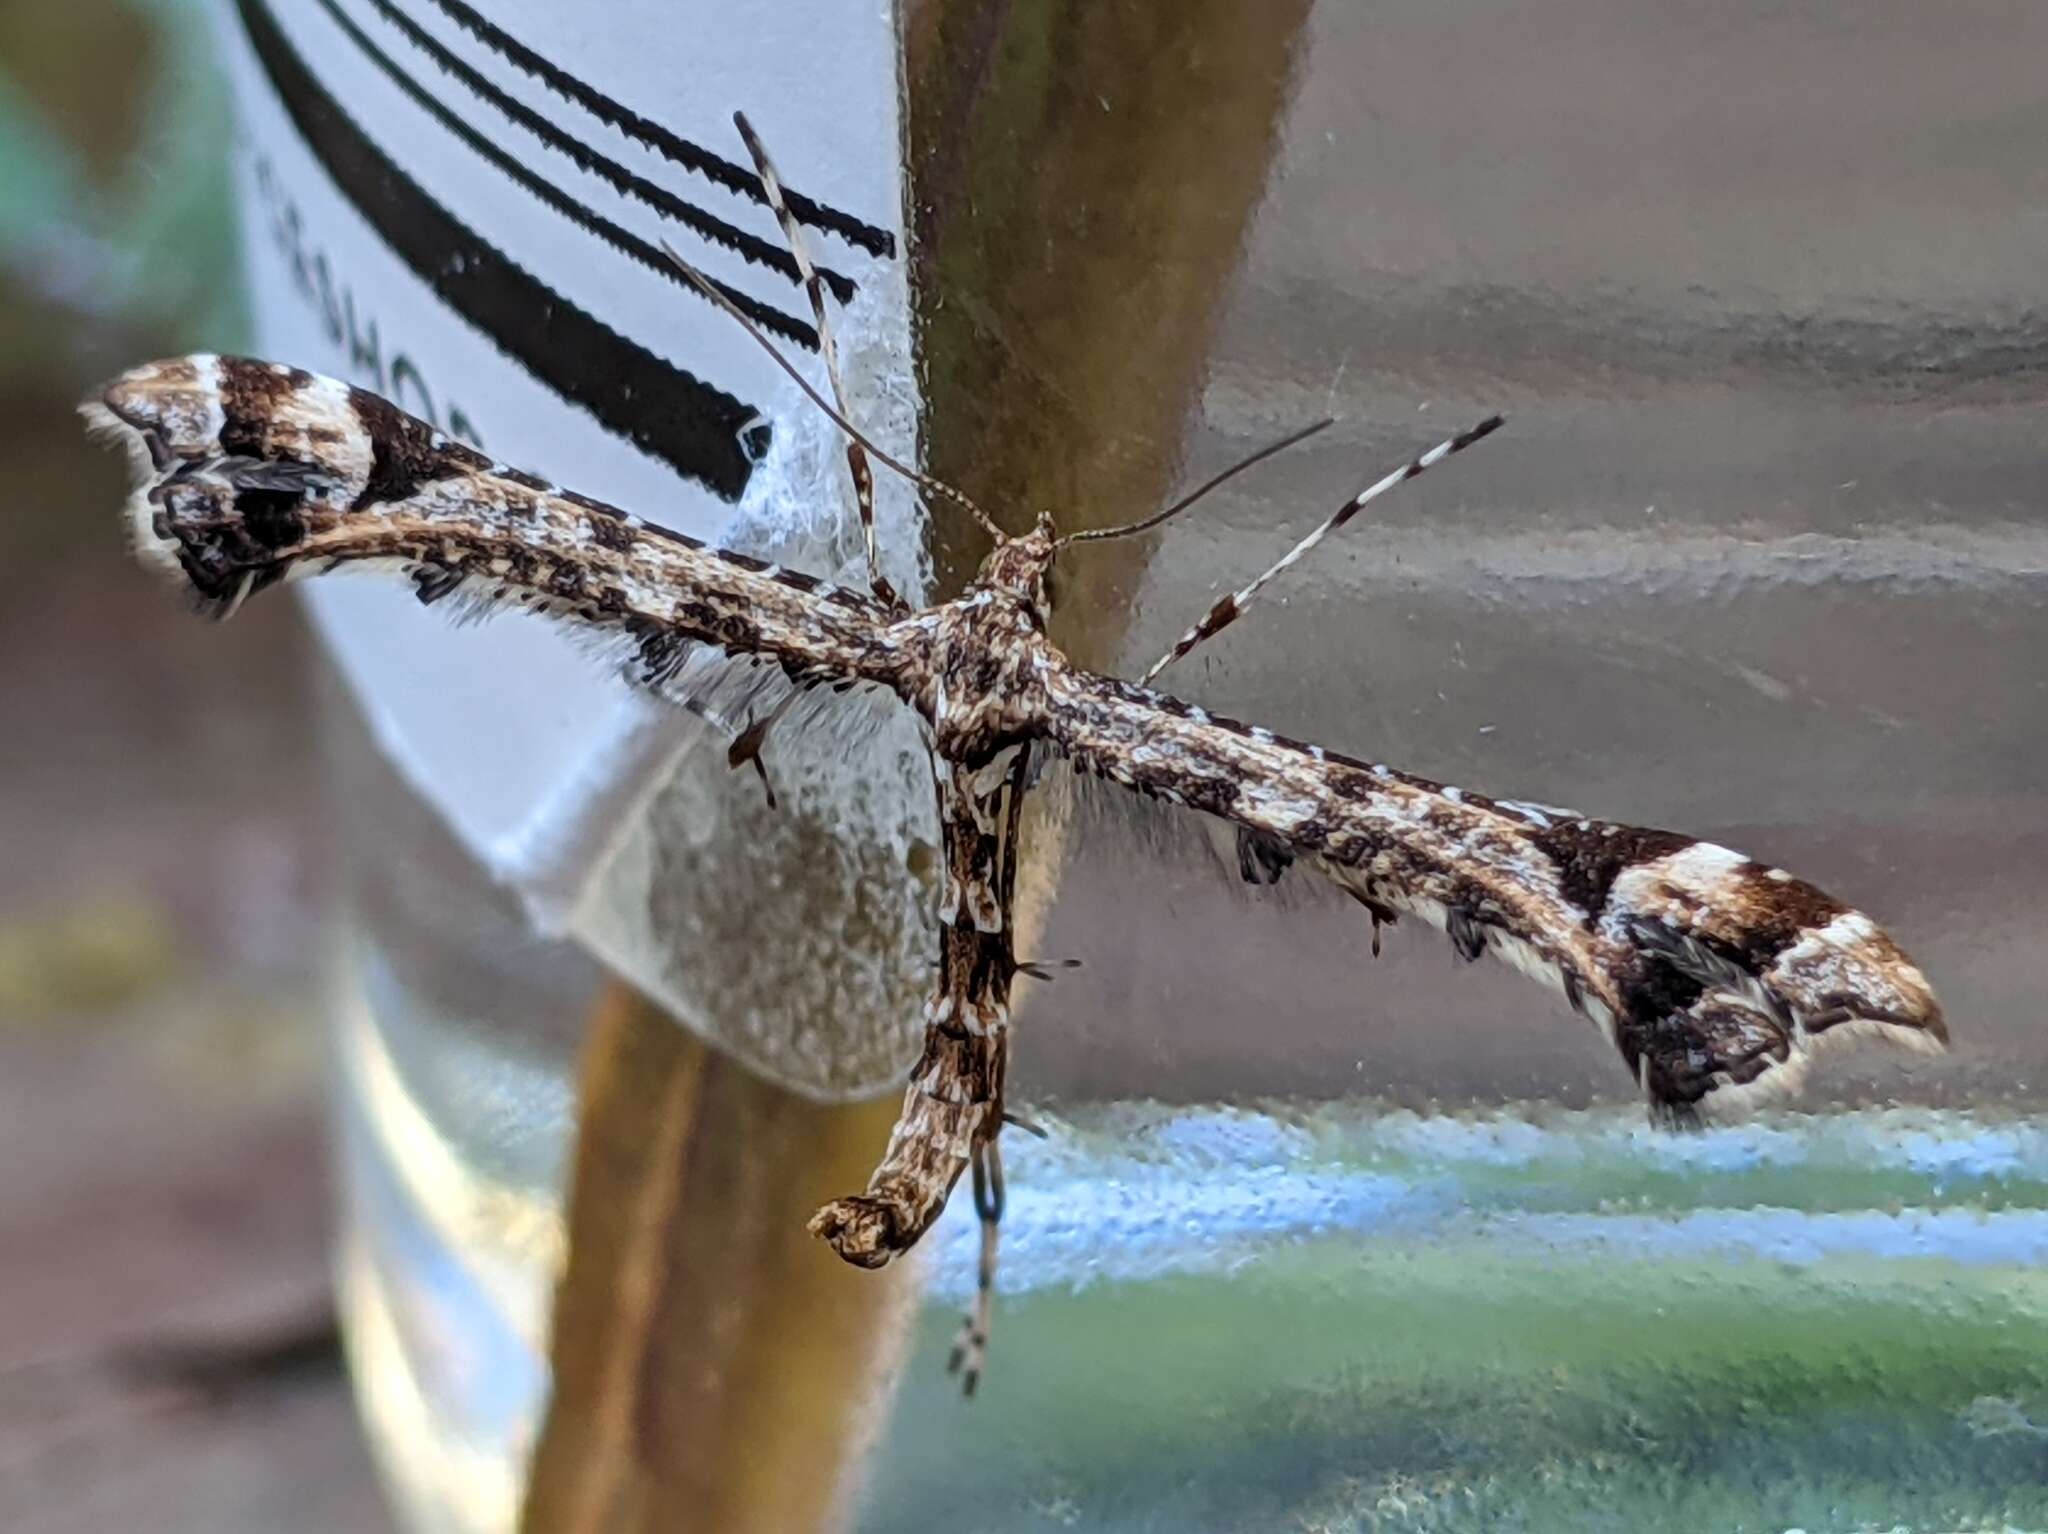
x,y
1018,566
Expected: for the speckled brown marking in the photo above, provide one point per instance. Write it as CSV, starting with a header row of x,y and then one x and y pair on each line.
x,y
253,395
613,533
405,452
1771,913
1591,855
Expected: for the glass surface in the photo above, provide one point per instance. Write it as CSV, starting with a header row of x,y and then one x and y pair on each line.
x,y
454,1034
1351,1317
1319,1241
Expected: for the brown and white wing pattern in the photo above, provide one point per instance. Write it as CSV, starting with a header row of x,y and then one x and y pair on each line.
x,y
252,473
1714,975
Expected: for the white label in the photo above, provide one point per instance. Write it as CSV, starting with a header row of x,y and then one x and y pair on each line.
x,y
462,208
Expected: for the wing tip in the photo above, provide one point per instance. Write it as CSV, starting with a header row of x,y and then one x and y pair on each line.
x,y
146,471
1727,1098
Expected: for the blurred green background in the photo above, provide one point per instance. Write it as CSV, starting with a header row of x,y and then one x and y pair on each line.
x,y
166,1357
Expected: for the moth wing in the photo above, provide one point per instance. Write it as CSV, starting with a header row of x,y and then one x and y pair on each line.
x,y
1716,977
250,474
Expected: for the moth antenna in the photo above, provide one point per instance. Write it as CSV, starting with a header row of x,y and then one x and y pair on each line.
x,y
814,289
1131,529
746,746
1228,609
923,481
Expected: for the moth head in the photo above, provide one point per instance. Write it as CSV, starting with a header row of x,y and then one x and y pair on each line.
x,y
1020,566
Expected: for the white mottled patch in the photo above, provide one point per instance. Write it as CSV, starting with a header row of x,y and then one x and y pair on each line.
x,y
1816,946
1849,927
1703,866
317,424
1278,810
1675,888
1543,816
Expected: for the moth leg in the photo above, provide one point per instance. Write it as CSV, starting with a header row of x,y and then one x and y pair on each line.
x,y
814,289
1230,608
746,746
970,1346
1041,969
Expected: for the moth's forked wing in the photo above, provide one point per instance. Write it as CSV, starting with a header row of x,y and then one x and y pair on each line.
x,y
1715,976
251,473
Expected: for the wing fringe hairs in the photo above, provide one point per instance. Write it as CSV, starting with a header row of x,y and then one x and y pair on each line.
x,y
1716,977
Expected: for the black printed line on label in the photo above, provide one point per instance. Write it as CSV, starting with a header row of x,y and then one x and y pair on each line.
x,y
666,412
